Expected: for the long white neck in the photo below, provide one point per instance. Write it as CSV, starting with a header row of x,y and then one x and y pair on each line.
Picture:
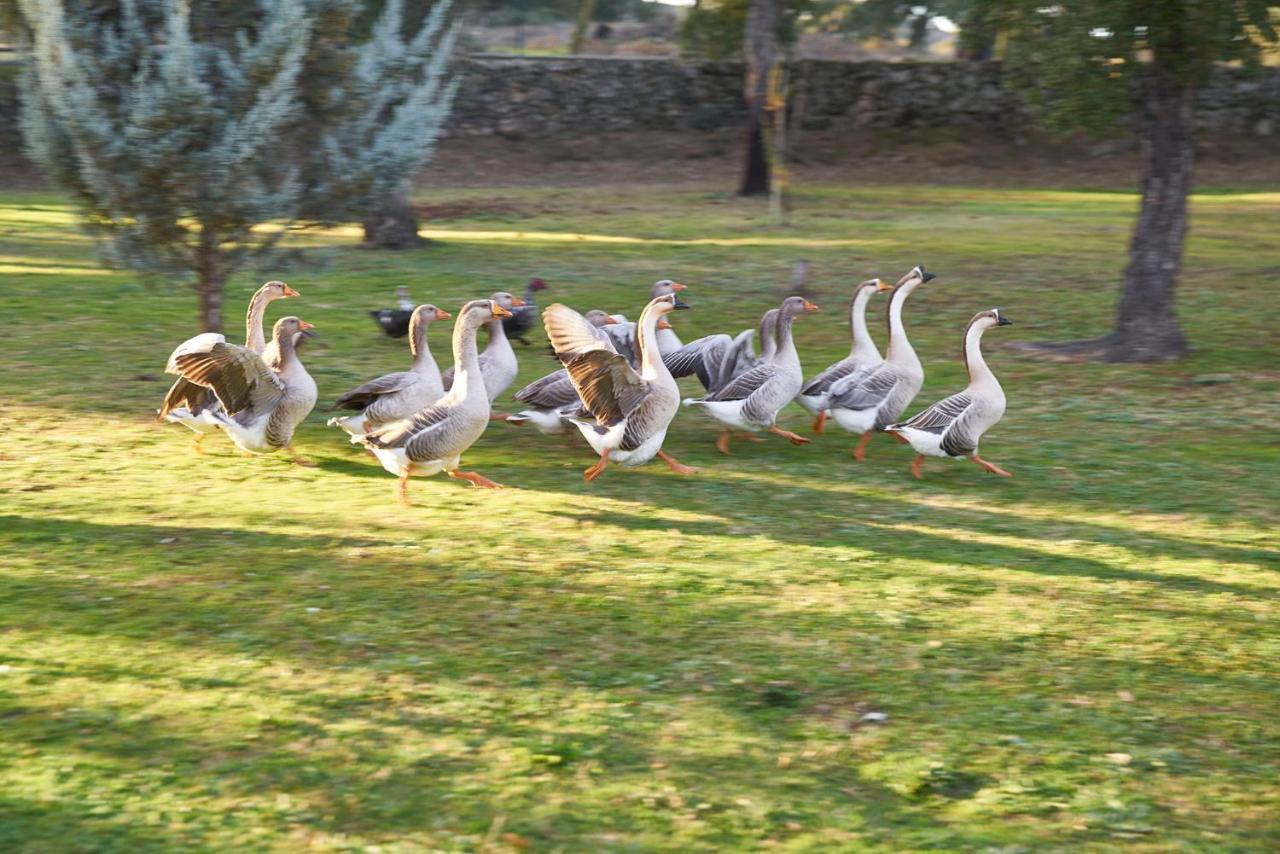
x,y
786,346
254,338
651,364
497,337
900,349
423,361
863,349
979,374
466,360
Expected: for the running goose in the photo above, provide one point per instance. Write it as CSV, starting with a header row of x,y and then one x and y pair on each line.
x,y
626,412
718,359
550,399
498,363
394,396
434,439
953,425
185,400
259,406
751,402
863,355
872,400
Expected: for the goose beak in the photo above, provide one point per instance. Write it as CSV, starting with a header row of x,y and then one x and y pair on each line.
x,y
663,323
676,287
517,302
442,315
1004,321
498,311
925,277
808,306
679,304
290,292
609,321
304,326
881,287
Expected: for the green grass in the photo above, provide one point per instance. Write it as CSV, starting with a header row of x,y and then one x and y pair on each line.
x,y
237,654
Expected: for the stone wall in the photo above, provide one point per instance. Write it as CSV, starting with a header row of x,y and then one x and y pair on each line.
x,y
530,97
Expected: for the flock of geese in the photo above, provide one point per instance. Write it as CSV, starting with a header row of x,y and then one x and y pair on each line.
x,y
616,387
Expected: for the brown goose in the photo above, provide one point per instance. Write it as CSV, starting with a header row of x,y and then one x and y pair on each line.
x,y
863,355
872,400
751,402
548,400
434,439
626,412
185,401
953,426
259,406
498,363
394,396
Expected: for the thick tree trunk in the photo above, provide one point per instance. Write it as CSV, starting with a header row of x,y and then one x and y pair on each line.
x,y
393,226
210,280
1146,327
586,11
760,49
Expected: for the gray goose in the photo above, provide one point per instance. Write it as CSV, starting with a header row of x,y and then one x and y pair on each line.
x,y
549,399
391,397
751,402
863,355
623,333
872,400
434,439
185,401
260,406
718,359
953,426
498,363
626,412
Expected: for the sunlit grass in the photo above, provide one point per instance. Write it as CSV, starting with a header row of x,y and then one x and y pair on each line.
x,y
233,654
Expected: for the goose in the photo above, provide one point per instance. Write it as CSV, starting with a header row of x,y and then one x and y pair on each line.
x,y
953,425
522,318
260,406
498,365
434,439
751,402
185,400
626,412
873,399
718,359
623,333
394,396
550,399
863,355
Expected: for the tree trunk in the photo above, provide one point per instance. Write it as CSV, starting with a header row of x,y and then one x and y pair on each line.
x,y
393,226
586,12
1146,327
760,49
210,280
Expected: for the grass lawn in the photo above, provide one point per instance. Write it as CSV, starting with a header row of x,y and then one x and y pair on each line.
x,y
235,654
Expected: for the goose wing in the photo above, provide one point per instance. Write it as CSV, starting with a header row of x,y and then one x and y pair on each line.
x,y
236,375
184,394
550,392
416,434
739,358
746,384
864,391
609,387
702,357
941,415
363,395
827,379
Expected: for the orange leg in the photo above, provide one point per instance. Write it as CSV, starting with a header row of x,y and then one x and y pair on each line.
x,y
402,489
594,472
297,459
722,442
820,422
902,440
991,467
475,478
197,444
860,449
917,466
789,436
747,437
674,464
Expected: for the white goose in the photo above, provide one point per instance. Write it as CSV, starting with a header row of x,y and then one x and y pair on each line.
x,y
863,355
953,426
498,363
872,400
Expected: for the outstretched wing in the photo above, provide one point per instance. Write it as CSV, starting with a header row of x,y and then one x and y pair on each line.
x,y
864,392
236,375
184,394
549,392
739,358
609,387
571,334
362,395
702,357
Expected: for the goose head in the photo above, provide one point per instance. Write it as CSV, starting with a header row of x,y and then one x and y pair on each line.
x,y
871,286
277,290
665,304
425,314
597,318
795,306
915,276
506,300
536,284
290,327
991,317
664,287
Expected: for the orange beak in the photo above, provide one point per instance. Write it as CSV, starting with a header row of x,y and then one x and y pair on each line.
x,y
808,306
608,320
881,287
442,315
304,326
663,323
498,311
516,301
290,292
677,287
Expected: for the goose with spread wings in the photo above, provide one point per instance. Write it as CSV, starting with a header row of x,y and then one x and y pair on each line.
x,y
625,412
550,400
259,405
953,426
716,360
